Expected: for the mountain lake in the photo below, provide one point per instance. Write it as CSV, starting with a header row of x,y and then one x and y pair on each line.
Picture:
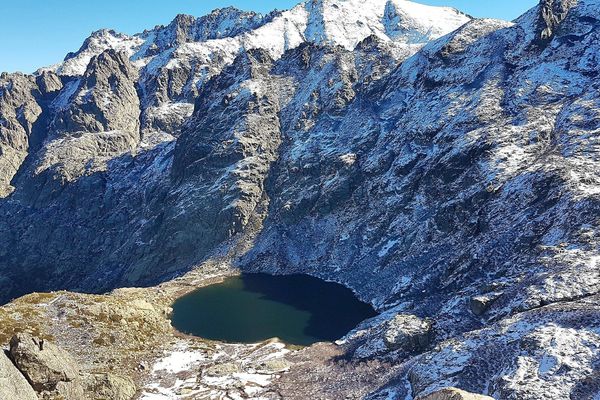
x,y
297,309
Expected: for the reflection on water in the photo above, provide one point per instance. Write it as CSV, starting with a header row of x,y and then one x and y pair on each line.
x,y
298,309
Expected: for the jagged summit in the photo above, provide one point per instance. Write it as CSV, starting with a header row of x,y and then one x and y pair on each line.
x,y
348,22
337,22
220,23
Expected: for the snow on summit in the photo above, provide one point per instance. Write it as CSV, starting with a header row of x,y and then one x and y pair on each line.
x,y
348,22
337,22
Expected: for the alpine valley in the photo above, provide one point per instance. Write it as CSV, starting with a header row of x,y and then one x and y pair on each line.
x,y
444,168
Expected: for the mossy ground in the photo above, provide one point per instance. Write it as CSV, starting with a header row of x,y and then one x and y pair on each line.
x,y
25,314
114,332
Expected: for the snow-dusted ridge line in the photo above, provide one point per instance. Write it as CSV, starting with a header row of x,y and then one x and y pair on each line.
x,y
338,22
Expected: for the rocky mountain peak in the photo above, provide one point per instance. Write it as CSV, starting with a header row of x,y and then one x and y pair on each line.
x,y
230,21
108,63
347,22
415,23
100,111
224,31
105,99
75,64
220,23
97,41
568,20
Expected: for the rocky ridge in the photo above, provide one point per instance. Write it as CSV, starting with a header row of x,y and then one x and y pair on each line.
x,y
449,176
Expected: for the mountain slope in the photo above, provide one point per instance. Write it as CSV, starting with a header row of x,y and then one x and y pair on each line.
x,y
124,95
447,174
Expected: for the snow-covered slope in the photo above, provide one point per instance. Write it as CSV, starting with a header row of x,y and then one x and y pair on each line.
x,y
346,23
174,61
99,41
199,48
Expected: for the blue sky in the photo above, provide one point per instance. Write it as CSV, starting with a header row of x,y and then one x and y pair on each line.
x,y
35,33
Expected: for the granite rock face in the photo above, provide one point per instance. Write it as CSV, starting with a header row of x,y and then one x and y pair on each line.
x,y
442,167
43,363
13,384
104,99
550,350
96,119
408,332
20,112
552,14
109,386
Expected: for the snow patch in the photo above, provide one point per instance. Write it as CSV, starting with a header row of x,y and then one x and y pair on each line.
x,y
179,360
387,247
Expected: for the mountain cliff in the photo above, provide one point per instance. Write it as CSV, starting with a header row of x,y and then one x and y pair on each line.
x,y
441,166
123,100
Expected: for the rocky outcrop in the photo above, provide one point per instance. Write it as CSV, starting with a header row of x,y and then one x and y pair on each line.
x,y
13,384
49,83
220,23
104,99
44,364
19,114
536,344
97,118
480,304
453,394
400,334
408,332
109,386
41,366
551,14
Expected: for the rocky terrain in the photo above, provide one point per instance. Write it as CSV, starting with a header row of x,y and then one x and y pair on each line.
x,y
445,168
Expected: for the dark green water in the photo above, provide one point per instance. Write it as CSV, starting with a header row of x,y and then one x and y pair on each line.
x,y
297,309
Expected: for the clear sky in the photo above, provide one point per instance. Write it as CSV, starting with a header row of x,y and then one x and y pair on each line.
x,y
35,33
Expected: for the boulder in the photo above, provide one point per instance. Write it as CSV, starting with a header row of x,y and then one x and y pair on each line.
x,y
67,390
480,304
407,332
109,386
223,369
453,394
44,364
13,384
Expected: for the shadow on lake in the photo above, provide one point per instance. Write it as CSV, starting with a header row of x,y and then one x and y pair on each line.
x,y
298,309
